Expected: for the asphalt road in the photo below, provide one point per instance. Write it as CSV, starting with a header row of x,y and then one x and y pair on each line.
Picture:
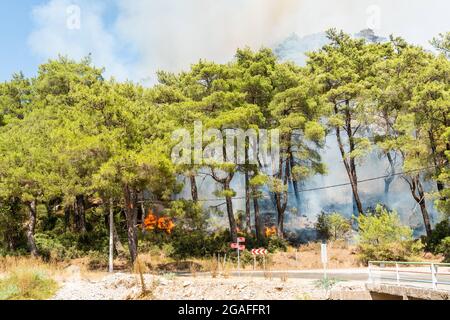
x,y
417,277
344,274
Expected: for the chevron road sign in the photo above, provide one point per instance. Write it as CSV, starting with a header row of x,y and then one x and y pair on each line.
x,y
259,252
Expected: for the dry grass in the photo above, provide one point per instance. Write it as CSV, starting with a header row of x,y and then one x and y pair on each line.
x,y
213,267
307,256
9,264
27,279
140,269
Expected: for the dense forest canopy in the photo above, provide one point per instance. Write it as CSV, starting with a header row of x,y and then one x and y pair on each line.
x,y
75,145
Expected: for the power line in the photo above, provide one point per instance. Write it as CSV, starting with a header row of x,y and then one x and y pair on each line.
x,y
336,185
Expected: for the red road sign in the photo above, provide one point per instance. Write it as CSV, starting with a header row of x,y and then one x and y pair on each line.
x,y
241,247
234,245
241,239
259,252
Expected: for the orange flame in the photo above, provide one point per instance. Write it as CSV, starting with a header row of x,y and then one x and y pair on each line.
x,y
152,222
270,232
166,224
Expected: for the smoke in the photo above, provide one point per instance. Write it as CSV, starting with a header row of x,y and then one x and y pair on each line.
x,y
143,36
300,221
173,34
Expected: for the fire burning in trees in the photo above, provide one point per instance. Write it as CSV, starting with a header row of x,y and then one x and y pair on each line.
x,y
270,232
152,222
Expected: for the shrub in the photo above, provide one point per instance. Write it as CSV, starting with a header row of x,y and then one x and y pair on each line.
x,y
12,237
49,248
383,237
275,244
56,248
27,284
188,244
444,248
333,226
440,232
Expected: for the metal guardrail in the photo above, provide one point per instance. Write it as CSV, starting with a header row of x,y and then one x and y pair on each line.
x,y
430,272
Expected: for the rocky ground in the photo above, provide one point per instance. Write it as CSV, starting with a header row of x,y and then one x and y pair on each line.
x,y
122,286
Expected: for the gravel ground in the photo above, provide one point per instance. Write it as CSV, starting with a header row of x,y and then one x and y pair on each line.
x,y
122,286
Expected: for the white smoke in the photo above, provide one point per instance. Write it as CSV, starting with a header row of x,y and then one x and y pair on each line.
x,y
172,34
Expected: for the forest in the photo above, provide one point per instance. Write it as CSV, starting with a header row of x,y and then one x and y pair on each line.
x,y
77,149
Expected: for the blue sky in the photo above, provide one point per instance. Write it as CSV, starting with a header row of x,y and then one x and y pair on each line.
x,y
15,25
134,38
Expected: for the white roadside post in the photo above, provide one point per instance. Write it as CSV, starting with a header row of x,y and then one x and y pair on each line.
x,y
324,257
111,236
239,260
397,272
433,276
259,252
239,247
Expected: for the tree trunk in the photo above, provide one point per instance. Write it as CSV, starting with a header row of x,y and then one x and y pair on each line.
x,y
390,178
194,191
131,212
423,207
438,157
281,199
248,224
67,214
294,183
258,225
231,219
418,194
228,200
80,218
280,225
31,228
349,162
426,217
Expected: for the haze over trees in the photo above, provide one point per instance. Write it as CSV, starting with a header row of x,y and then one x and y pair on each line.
x,y
75,145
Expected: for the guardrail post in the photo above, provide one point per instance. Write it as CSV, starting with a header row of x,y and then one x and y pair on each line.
x,y
397,273
370,274
433,276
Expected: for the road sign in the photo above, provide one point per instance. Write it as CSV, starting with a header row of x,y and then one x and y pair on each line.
x,y
259,252
241,239
237,246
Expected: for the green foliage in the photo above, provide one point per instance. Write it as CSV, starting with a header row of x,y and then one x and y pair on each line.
x,y
440,232
332,226
275,244
11,231
382,237
326,283
198,243
69,133
442,43
444,248
57,248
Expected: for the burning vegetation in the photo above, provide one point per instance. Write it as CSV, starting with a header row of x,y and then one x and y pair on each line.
x,y
152,222
270,232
